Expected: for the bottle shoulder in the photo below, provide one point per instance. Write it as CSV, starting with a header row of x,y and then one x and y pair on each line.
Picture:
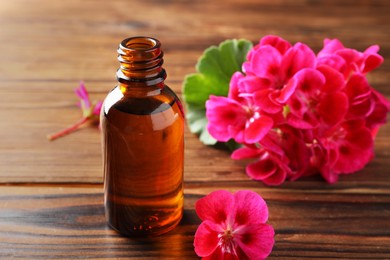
x,y
146,103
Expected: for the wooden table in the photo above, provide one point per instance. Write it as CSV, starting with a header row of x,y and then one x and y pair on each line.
x,y
51,198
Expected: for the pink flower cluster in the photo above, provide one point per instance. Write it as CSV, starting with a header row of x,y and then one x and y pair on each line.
x,y
297,113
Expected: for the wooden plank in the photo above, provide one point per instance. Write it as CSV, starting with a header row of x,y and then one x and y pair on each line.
x,y
68,222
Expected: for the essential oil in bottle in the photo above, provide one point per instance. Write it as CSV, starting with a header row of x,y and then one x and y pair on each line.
x,y
143,144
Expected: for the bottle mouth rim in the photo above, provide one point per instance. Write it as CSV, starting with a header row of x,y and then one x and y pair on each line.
x,y
140,43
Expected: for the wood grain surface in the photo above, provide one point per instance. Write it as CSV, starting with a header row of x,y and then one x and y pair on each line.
x,y
51,200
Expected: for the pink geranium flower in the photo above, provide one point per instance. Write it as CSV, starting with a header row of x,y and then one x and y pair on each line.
x,y
347,149
318,100
271,66
233,226
236,116
349,61
90,112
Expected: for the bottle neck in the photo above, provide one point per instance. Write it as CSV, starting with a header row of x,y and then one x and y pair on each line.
x,y
141,60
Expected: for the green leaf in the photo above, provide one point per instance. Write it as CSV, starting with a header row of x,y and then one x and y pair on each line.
x,y
214,70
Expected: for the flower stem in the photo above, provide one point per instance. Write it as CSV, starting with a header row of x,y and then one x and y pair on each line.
x,y
68,130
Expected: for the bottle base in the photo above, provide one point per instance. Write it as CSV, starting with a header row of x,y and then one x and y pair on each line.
x,y
143,231
135,220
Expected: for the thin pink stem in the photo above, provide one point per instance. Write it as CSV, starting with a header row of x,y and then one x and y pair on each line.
x,y
68,130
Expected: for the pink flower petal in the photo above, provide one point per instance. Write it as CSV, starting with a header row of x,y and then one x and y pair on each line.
x,y
355,151
251,84
372,59
371,62
296,58
353,60
257,242
82,93
263,99
256,130
304,122
215,207
378,116
245,153
277,178
226,118
381,108
97,108
334,80
297,106
357,87
234,86
359,97
220,134
373,49
322,161
333,108
296,150
361,109
206,238
271,142
250,208
329,175
307,81
330,47
218,255
333,61
275,41
286,92
238,134
268,170
261,169
265,62
310,80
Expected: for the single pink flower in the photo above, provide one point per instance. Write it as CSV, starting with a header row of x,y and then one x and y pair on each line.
x,y
90,112
233,226
347,149
236,117
271,65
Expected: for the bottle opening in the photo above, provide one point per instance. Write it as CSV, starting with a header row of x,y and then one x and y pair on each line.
x,y
141,60
140,43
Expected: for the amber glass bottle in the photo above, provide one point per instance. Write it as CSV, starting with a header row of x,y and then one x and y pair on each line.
x,y
143,144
